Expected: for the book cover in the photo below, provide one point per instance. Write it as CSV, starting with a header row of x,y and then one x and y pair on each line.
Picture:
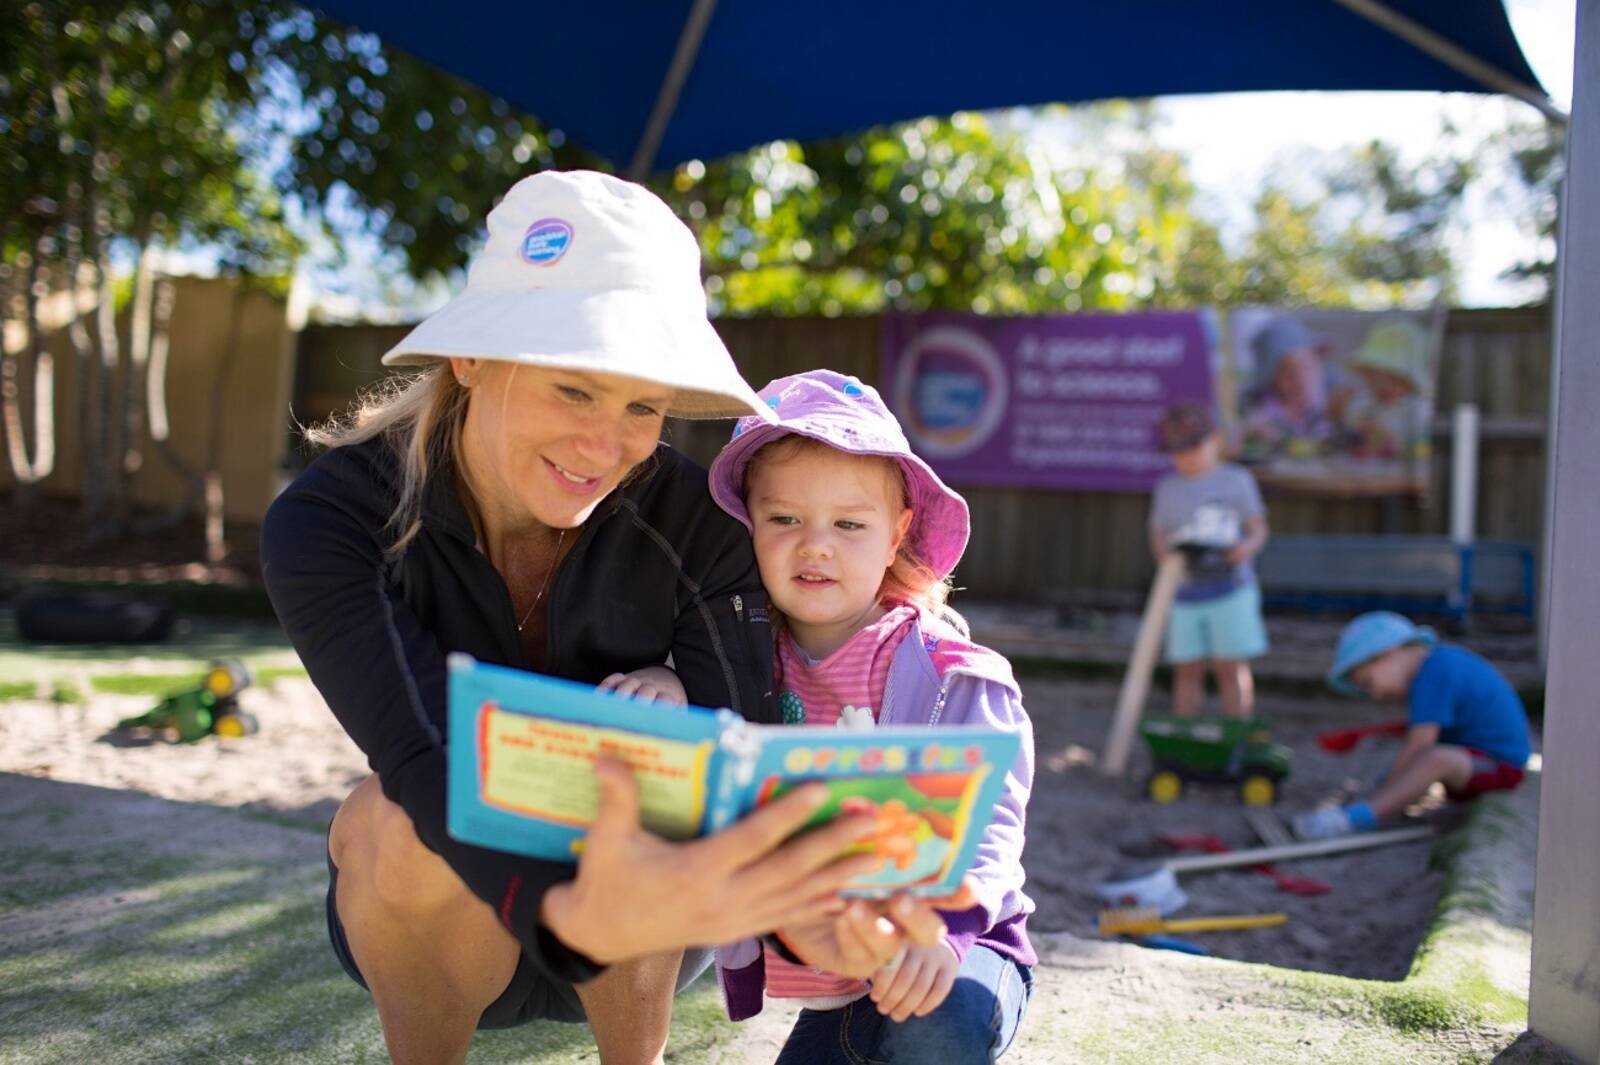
x,y
523,746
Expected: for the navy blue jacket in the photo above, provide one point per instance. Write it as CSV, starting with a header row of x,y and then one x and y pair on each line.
x,y
658,569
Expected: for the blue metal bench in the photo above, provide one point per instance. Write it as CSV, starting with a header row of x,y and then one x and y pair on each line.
x,y
1431,574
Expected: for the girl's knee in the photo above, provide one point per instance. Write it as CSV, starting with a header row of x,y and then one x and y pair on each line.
x,y
966,1027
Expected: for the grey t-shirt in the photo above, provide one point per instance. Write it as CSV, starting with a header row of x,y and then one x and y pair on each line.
x,y
1209,512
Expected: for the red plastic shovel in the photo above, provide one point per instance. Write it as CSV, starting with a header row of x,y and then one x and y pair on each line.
x,y
1341,740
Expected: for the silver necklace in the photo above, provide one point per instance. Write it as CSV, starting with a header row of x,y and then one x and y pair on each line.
x,y
554,562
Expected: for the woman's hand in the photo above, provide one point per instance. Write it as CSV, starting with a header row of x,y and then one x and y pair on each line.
x,y
652,684
914,984
638,894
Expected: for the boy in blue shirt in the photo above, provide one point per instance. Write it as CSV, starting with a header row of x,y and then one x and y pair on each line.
x,y
1467,728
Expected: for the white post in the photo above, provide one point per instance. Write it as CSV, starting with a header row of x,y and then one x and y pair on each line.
x,y
1464,474
1564,1006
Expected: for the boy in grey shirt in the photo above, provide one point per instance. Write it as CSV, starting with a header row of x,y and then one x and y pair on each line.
x,y
1212,511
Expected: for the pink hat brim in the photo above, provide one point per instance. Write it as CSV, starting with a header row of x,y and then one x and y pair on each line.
x,y
941,523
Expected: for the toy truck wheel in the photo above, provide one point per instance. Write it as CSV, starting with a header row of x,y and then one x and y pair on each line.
x,y
226,679
1258,790
1164,786
233,726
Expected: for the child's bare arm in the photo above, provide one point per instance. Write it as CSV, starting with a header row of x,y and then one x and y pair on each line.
x,y
1419,738
1251,543
1159,547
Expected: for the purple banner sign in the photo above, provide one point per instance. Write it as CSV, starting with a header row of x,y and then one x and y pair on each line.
x,y
1066,401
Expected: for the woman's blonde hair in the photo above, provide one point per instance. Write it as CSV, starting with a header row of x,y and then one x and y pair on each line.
x,y
421,416
908,577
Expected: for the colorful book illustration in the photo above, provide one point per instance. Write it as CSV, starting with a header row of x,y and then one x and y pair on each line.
x,y
523,747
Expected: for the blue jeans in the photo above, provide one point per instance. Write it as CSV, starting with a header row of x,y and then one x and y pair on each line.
x,y
975,1023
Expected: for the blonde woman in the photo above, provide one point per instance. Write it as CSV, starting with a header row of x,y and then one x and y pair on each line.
x,y
514,501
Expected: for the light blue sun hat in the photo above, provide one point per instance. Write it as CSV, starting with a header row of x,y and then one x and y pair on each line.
x,y
1367,637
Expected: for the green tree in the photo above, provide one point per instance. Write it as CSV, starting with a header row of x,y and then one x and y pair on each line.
x,y
132,127
955,214
1536,151
397,147
1394,247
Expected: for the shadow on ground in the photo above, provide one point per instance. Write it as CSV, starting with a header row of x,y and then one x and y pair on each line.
x,y
136,929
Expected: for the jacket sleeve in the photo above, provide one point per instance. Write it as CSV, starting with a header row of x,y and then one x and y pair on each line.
x,y
997,870
383,675
722,638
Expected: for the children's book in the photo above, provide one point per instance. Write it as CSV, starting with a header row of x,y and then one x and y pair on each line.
x,y
523,748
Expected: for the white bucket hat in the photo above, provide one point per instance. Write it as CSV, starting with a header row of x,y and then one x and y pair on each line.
x,y
584,271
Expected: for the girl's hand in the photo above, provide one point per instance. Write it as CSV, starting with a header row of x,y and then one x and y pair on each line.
x,y
857,942
652,684
914,984
638,894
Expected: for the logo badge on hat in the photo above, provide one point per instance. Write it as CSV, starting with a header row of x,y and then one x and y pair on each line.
x,y
546,241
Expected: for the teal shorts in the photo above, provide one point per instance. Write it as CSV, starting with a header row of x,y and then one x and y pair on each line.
x,y
1227,627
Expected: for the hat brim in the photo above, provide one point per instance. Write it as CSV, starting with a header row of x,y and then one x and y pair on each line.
x,y
1338,677
939,533
639,333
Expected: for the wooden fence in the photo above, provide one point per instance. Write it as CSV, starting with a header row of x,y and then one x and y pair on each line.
x,y
1048,546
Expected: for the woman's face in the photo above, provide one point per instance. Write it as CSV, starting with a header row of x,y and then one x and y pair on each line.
x,y
546,446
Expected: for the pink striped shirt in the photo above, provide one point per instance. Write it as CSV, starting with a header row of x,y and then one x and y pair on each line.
x,y
816,693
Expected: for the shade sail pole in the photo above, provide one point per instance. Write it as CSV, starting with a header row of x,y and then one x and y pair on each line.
x,y
1452,55
1564,1003
694,29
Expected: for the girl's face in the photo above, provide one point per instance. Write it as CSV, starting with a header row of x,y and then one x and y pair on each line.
x,y
826,527
546,446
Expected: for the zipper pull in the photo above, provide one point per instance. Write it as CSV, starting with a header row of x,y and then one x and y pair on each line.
x,y
738,606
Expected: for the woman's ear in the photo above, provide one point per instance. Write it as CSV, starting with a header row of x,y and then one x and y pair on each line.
x,y
465,369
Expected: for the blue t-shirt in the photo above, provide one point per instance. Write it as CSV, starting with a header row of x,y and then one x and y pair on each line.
x,y
1473,705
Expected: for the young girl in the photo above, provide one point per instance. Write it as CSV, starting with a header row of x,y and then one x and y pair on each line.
x,y
855,537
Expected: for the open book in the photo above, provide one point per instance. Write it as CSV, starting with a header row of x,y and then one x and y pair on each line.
x,y
523,747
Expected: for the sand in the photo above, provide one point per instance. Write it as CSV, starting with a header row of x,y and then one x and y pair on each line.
x,y
1082,827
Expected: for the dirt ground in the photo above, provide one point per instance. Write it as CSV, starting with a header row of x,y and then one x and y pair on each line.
x,y
1081,826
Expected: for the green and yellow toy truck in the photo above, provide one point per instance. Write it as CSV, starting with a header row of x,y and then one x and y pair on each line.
x,y
1237,752
209,710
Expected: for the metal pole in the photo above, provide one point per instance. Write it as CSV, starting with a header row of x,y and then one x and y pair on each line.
x,y
1452,55
655,127
1564,1000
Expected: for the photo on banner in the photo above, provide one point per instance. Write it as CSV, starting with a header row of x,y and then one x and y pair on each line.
x,y
1333,401
1057,401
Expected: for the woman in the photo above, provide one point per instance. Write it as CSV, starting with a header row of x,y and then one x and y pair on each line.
x,y
513,502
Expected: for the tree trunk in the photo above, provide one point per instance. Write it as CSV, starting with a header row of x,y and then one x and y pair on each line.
x,y
105,441
128,455
74,233
156,408
216,543
16,390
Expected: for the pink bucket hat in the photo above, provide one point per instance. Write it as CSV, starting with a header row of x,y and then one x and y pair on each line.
x,y
845,414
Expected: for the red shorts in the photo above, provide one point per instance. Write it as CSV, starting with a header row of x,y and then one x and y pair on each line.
x,y
1488,774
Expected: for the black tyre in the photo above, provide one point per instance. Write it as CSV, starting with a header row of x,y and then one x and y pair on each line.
x,y
92,617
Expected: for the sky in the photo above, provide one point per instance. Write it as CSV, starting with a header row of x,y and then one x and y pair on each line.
x,y
1234,142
